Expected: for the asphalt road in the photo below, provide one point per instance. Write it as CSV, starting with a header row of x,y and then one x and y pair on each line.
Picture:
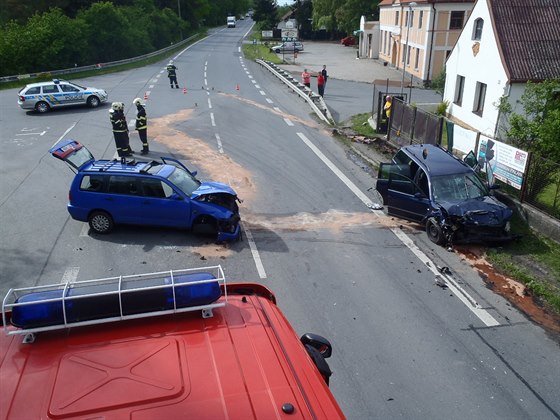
x,y
403,346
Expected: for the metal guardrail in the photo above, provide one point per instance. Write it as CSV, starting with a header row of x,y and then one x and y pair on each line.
x,y
5,79
301,90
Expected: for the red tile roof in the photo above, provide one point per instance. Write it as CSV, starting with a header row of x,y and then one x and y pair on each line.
x,y
528,35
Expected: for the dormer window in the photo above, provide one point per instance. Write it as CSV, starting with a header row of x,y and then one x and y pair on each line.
x,y
477,29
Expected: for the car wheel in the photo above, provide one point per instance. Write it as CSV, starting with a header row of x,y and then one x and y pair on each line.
x,y
42,107
93,101
434,231
101,222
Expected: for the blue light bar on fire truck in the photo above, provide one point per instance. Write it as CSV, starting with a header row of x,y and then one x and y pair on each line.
x,y
72,304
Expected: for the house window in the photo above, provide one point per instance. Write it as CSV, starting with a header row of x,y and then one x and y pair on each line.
x,y
420,19
397,18
479,98
456,21
477,29
459,87
411,23
417,58
408,55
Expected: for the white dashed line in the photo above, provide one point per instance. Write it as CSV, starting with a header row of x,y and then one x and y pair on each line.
x,y
151,86
212,118
262,92
70,275
257,86
220,148
291,124
85,230
254,82
277,109
209,103
269,101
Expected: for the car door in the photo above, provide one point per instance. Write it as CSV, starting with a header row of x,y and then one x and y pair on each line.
x,y
403,197
162,205
72,94
53,95
123,200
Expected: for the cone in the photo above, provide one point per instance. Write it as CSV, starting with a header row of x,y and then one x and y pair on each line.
x,y
184,91
146,96
237,86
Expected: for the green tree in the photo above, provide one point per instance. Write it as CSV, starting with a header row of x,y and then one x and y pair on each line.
x,y
349,14
264,14
324,14
303,12
537,129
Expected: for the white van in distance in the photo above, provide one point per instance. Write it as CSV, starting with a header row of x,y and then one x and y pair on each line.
x,y
231,21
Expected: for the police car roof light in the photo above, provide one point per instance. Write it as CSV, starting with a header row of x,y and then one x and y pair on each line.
x,y
65,305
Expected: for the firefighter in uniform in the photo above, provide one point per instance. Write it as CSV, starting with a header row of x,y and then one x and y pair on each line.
x,y
120,129
172,74
142,125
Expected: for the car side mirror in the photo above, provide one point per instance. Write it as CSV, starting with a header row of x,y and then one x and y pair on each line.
x,y
176,197
318,342
193,173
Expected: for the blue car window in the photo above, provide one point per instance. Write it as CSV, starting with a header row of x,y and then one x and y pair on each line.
x,y
122,185
457,187
153,188
92,183
184,181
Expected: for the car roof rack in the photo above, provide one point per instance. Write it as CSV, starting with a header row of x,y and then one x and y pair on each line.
x,y
99,301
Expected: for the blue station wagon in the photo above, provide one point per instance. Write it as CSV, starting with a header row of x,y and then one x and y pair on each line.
x,y
106,193
426,184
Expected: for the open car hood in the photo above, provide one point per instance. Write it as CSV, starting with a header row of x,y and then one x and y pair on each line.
x,y
485,211
213,188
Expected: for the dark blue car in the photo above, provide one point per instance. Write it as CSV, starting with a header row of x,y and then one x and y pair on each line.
x,y
156,193
426,184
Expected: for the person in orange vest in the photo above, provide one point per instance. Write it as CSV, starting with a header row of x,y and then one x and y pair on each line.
x,y
306,76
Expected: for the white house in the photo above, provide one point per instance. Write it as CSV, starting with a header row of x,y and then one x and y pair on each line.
x,y
504,44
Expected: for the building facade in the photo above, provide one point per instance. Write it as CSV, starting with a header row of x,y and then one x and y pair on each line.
x,y
423,32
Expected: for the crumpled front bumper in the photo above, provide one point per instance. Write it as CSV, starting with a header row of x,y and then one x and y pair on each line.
x,y
229,236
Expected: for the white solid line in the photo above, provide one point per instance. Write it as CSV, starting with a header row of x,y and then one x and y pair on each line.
x,y
64,134
212,118
291,124
70,275
336,171
263,93
255,252
469,302
209,103
270,101
220,148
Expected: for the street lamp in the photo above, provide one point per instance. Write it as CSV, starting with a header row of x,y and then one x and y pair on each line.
x,y
405,56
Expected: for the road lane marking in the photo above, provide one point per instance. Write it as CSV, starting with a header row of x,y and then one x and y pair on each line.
x,y
219,140
459,292
212,118
270,101
209,103
254,252
85,230
70,275
262,92
64,134
291,124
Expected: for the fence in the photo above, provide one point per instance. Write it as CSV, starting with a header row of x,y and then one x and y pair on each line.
x,y
99,65
410,124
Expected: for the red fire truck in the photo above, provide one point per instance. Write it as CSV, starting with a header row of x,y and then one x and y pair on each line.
x,y
167,345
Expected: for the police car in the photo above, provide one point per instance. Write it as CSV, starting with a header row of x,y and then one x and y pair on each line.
x,y
43,96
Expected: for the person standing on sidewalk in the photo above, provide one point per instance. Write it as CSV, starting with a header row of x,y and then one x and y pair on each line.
x,y
172,74
325,76
306,77
321,84
142,125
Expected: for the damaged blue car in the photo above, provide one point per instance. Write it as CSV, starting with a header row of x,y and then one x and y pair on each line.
x,y
106,193
426,184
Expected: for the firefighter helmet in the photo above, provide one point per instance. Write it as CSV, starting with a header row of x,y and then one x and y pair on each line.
x,y
117,106
137,101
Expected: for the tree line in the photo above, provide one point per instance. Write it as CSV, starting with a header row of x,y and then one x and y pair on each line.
x,y
42,35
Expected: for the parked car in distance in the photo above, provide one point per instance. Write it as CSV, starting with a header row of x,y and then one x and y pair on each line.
x,y
44,96
426,184
288,46
347,41
167,345
106,193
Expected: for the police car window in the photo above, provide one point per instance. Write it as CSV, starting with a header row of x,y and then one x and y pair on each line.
x,y
33,91
50,89
122,185
92,183
69,88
